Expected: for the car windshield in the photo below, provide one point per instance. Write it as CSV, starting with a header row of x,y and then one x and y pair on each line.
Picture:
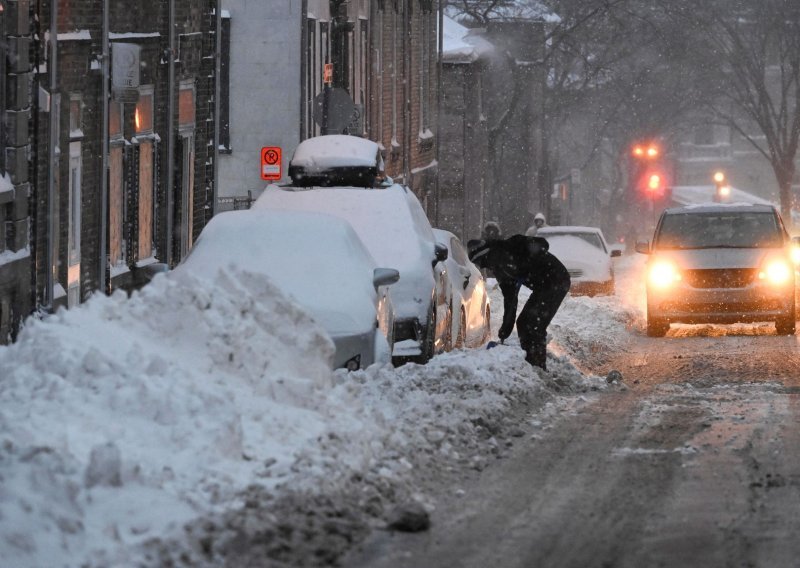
x,y
591,238
719,230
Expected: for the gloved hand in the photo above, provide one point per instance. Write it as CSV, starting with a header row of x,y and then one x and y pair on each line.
x,y
505,331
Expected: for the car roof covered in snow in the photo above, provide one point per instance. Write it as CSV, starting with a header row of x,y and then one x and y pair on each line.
x,y
721,207
568,229
335,151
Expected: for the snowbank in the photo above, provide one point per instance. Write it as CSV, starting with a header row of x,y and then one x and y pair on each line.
x,y
123,419
155,429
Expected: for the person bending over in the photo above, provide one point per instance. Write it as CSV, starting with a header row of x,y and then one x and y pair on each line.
x,y
525,261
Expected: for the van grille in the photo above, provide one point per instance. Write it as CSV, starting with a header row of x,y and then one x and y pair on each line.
x,y
575,272
720,277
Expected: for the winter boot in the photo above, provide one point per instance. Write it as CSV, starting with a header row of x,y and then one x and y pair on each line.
x,y
537,356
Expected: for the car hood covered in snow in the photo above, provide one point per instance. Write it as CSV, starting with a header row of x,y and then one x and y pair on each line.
x,y
316,259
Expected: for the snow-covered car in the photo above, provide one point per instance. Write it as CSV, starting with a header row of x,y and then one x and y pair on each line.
x,y
470,301
720,263
587,256
390,221
320,262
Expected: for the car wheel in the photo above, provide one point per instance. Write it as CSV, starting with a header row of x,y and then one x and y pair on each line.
x,y
429,341
461,338
448,339
487,324
786,325
656,327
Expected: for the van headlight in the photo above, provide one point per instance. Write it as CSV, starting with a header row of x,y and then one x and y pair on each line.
x,y
663,274
776,271
796,255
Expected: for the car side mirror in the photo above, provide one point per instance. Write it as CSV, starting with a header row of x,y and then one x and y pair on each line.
x,y
615,253
440,252
384,277
643,247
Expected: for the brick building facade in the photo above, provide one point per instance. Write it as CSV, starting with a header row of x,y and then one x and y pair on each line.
x,y
120,121
15,187
385,56
404,92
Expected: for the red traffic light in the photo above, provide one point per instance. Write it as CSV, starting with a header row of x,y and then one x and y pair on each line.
x,y
646,150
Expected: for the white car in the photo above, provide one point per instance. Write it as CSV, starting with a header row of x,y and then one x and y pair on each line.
x,y
587,256
389,220
470,301
317,260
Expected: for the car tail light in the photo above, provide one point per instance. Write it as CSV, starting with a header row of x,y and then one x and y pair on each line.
x,y
663,274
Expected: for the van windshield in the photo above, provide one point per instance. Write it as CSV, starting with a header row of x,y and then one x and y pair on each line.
x,y
719,230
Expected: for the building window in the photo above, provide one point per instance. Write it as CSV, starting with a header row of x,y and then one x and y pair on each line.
x,y
186,126
75,116
116,187
74,206
225,87
324,45
395,96
74,228
378,72
143,122
312,72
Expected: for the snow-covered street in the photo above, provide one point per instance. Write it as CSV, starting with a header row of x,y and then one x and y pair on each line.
x,y
211,432
136,430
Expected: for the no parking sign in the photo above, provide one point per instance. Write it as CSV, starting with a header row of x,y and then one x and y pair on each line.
x,y
271,163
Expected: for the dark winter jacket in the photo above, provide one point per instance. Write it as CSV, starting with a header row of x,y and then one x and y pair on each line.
x,y
519,261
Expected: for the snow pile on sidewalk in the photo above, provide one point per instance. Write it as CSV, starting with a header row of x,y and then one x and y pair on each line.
x,y
195,425
123,419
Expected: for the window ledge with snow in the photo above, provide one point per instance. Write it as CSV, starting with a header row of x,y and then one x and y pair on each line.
x,y
426,138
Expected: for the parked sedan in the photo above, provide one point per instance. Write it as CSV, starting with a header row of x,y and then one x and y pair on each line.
x,y
587,256
390,221
471,325
317,260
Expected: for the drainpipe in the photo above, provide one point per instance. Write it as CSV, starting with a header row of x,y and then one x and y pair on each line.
x,y
407,93
52,157
439,58
104,154
217,104
170,133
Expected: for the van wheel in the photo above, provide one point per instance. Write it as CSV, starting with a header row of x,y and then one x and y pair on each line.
x,y
656,327
786,325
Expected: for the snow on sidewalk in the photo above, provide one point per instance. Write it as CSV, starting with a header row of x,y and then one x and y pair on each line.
x,y
124,420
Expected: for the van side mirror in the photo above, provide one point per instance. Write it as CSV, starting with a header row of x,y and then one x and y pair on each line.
x,y
616,252
643,247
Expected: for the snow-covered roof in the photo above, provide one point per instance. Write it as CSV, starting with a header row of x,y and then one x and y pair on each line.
x,y
698,194
461,45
